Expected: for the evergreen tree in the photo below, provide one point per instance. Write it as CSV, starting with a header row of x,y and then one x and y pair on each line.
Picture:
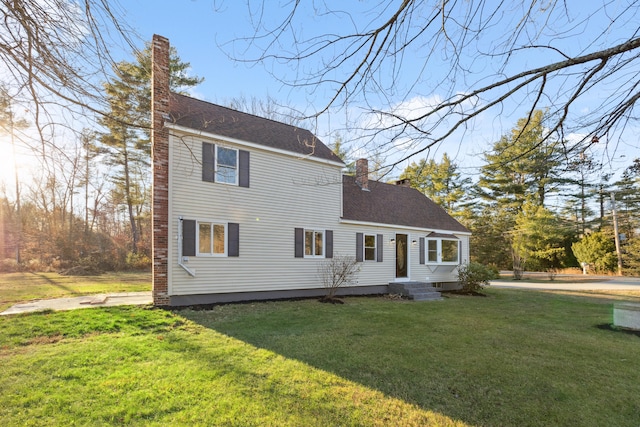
x,y
582,190
627,194
538,238
128,124
631,256
339,150
521,164
522,167
489,243
597,250
441,182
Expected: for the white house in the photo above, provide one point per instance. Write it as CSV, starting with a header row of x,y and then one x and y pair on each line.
x,y
247,208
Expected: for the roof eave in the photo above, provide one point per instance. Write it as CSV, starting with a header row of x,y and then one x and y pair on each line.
x,y
404,227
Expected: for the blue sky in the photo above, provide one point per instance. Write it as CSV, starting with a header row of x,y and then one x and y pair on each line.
x,y
196,28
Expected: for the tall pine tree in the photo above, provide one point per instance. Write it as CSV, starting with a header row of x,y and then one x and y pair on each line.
x,y
521,165
127,138
441,181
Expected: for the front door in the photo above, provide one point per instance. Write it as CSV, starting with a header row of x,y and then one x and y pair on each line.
x,y
401,256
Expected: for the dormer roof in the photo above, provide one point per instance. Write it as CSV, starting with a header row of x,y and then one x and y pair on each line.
x,y
394,205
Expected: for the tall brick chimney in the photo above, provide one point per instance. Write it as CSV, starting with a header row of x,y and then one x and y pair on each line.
x,y
160,162
362,174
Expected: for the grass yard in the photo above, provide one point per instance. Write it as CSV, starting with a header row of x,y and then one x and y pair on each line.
x,y
514,358
20,287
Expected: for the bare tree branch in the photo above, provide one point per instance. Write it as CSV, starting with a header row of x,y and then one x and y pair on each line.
x,y
55,55
477,57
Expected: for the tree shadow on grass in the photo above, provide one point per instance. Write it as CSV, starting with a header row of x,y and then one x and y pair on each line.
x,y
57,284
467,358
399,348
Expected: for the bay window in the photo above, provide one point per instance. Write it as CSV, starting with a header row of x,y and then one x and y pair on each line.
x,y
440,249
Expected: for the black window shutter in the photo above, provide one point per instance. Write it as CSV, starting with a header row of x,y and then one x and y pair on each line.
x,y
233,248
379,248
328,252
359,247
208,162
243,179
422,254
188,237
299,243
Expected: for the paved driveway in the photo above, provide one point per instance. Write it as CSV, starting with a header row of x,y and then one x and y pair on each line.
x,y
594,283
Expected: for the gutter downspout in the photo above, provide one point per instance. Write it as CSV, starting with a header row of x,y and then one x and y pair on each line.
x,y
187,269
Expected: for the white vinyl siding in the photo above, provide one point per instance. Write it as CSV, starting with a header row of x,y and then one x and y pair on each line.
x,y
286,192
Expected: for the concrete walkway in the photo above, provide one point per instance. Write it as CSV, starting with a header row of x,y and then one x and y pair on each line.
x,y
98,300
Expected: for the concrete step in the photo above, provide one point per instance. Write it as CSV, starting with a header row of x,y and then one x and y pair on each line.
x,y
426,296
417,291
417,286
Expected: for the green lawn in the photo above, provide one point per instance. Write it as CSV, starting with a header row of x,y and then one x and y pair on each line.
x,y
20,287
513,358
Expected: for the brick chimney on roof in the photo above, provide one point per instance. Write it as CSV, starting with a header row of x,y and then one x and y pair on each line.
x,y
362,174
160,166
404,182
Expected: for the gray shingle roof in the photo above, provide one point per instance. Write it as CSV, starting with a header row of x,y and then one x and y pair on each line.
x,y
394,205
207,117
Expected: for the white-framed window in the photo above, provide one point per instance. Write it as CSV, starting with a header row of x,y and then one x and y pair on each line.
x,y
432,250
313,243
211,239
443,251
226,165
370,247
